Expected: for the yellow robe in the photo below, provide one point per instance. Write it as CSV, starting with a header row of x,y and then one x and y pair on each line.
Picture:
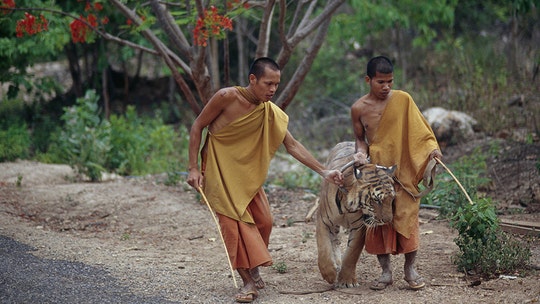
x,y
238,157
403,138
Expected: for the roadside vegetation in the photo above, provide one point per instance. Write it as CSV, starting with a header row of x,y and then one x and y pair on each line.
x,y
484,248
478,57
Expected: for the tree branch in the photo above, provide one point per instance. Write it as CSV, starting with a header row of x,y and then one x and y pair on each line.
x,y
171,28
307,28
104,35
264,30
287,95
164,52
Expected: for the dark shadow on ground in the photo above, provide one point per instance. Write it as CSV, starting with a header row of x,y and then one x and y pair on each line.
x,y
25,278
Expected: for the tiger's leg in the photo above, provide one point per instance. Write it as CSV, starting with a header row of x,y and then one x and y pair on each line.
x,y
347,275
329,254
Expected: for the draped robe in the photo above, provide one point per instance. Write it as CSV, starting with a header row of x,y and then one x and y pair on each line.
x,y
403,138
238,157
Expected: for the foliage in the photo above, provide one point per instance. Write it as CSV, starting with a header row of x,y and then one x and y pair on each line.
x,y
85,138
303,177
280,267
14,142
470,171
174,175
211,24
128,145
422,17
186,35
445,54
26,39
476,220
483,248
142,146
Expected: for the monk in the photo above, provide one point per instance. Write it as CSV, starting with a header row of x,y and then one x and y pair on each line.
x,y
244,131
390,130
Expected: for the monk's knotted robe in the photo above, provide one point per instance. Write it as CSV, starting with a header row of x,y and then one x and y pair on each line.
x,y
403,138
236,161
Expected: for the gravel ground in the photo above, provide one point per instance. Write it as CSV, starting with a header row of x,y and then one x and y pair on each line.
x,y
138,241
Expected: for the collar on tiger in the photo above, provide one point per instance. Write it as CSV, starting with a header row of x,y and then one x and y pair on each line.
x,y
248,95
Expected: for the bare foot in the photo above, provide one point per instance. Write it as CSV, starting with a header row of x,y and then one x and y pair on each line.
x,y
412,277
386,276
246,295
379,285
256,276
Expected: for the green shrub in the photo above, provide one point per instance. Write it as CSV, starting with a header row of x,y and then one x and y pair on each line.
x,y
304,178
484,248
85,138
145,146
14,142
470,171
476,220
129,143
280,267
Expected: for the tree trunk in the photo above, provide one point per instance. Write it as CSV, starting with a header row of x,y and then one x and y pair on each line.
x,y
74,68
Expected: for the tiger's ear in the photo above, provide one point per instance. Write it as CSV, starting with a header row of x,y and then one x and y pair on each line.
x,y
357,171
391,170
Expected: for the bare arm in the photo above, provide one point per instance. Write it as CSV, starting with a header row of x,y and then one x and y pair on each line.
x,y
210,112
298,151
361,147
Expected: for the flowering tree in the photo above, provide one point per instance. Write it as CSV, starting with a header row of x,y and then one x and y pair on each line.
x,y
192,37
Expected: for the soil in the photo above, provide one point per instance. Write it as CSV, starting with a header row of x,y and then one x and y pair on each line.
x,y
161,242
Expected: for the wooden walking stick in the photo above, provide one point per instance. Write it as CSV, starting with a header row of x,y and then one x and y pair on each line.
x,y
221,235
457,181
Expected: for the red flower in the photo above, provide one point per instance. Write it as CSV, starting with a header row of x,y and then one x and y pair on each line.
x,y
78,30
30,25
8,3
92,19
211,24
98,7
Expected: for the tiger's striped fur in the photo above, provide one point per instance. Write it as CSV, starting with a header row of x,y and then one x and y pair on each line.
x,y
365,200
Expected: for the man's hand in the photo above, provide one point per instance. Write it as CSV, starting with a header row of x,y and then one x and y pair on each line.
x,y
361,158
435,153
195,178
333,176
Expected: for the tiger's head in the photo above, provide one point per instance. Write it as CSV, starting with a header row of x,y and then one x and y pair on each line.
x,y
372,191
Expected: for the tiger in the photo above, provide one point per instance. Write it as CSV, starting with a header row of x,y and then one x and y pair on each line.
x,y
365,200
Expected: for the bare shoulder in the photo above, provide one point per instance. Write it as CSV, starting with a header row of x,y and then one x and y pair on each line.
x,y
227,93
360,104
223,98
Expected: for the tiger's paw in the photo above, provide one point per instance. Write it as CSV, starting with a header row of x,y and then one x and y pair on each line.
x,y
346,284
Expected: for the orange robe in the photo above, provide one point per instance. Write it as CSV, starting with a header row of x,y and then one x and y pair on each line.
x,y
236,161
403,138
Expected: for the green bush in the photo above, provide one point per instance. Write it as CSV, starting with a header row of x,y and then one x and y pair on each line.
x,y
476,220
280,267
127,144
302,178
14,136
14,142
470,171
145,146
484,248
85,139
